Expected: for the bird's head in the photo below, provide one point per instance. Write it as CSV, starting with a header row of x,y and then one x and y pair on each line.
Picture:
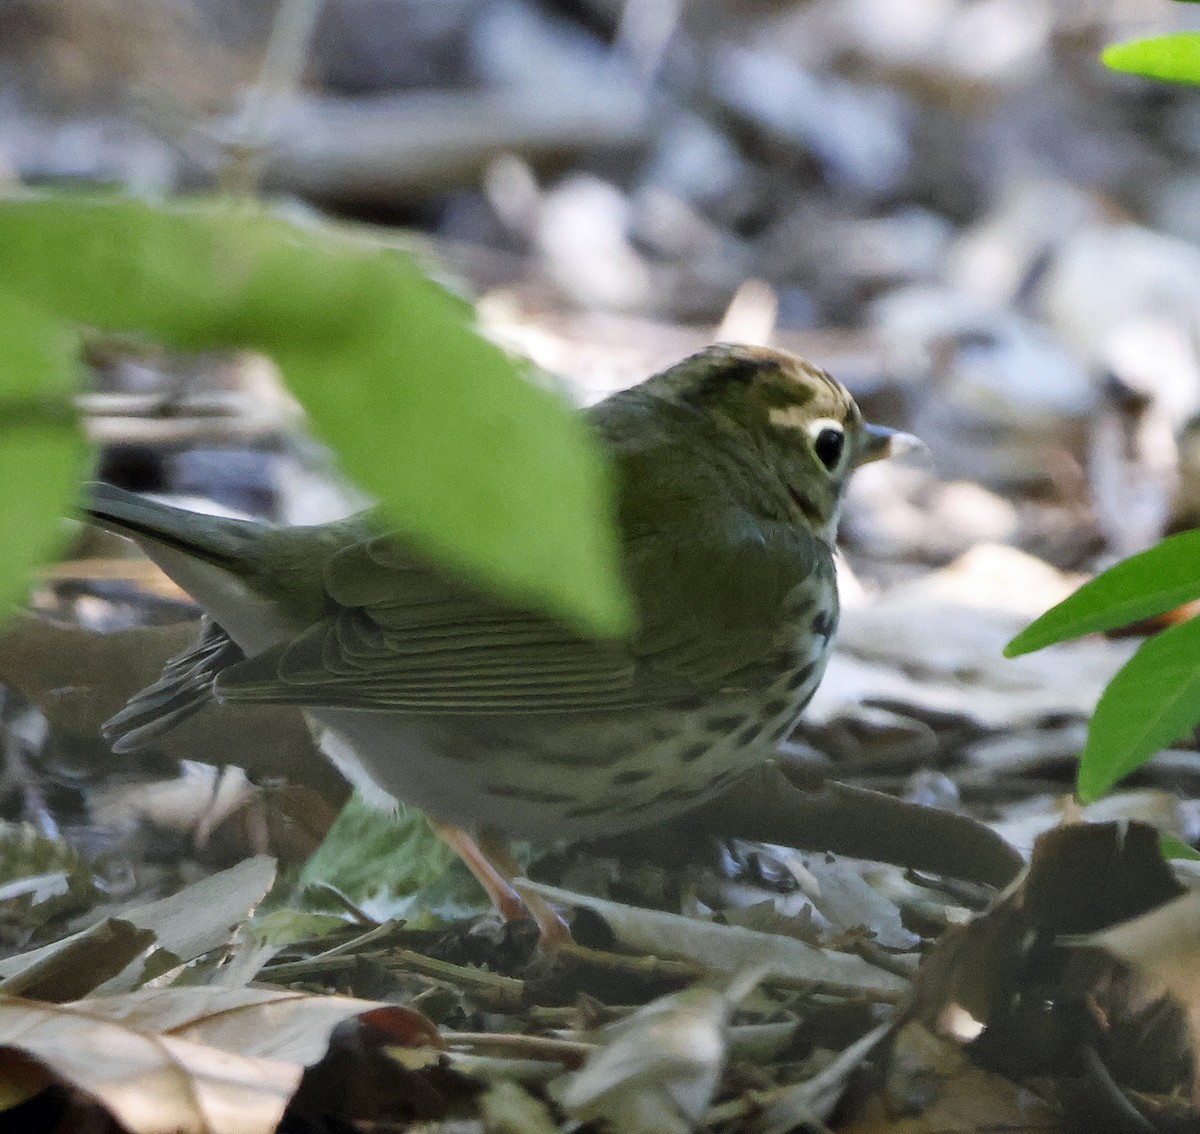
x,y
793,421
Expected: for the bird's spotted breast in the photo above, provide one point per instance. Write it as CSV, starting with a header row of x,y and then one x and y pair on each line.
x,y
608,774
595,774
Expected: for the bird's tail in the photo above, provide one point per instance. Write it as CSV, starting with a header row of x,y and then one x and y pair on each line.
x,y
214,539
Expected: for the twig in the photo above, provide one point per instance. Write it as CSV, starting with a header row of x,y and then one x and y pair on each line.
x,y
645,965
570,1053
648,966
502,992
283,66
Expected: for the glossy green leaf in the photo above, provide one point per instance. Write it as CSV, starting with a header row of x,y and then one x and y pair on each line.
x,y
1152,582
1151,702
491,474
1172,58
42,451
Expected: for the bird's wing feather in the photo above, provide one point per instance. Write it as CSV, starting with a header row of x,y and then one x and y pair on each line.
x,y
185,687
403,638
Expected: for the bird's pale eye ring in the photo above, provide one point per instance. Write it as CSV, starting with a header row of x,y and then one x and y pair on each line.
x,y
828,440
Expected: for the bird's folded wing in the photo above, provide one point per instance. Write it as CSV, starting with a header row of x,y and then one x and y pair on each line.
x,y
401,638
405,638
185,687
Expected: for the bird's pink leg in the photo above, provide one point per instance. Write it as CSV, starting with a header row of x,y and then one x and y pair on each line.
x,y
552,924
495,868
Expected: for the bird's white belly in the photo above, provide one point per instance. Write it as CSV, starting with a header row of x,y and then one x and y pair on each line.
x,y
387,755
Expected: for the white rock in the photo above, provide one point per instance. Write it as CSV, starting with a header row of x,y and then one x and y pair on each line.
x,y
695,162
993,259
937,643
1109,277
896,513
581,237
987,362
513,42
907,246
859,133
993,41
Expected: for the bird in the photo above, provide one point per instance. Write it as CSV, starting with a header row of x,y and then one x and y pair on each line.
x,y
730,470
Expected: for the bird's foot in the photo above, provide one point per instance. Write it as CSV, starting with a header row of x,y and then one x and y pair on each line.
x,y
495,868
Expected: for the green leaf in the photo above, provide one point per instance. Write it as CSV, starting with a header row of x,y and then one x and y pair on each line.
x,y
1152,701
42,451
494,476
284,927
1157,580
391,864
1172,58
1172,847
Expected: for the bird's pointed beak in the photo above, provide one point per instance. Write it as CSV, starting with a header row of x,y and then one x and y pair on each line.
x,y
883,442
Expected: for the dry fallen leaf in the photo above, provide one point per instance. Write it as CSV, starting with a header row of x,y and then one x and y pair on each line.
x,y
726,948
1164,944
848,901
813,1100
944,1094
79,677
72,967
507,1108
185,925
956,621
658,1072
181,1060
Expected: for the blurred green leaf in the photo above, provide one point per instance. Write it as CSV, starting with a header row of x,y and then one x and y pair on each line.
x,y
492,475
1172,58
1151,702
1155,581
1172,847
42,451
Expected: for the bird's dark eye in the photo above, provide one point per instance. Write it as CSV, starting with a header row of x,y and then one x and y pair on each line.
x,y
828,447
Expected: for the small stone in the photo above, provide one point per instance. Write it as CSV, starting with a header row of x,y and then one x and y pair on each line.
x,y
859,133
1108,277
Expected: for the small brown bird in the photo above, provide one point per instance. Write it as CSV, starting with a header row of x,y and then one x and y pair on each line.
x,y
730,469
